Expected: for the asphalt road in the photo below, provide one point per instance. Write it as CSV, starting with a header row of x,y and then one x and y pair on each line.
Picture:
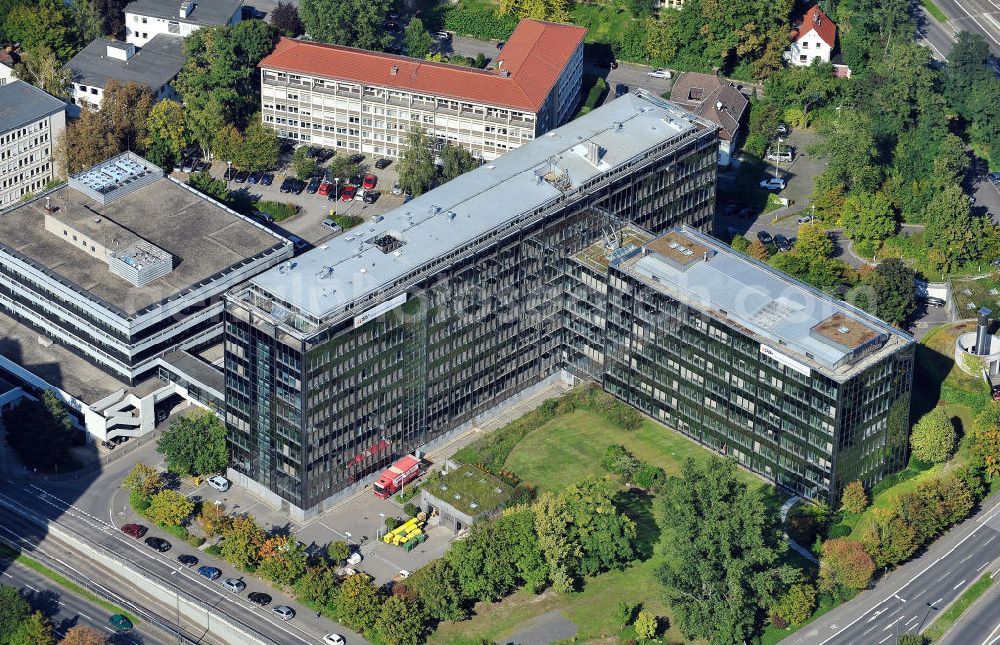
x,y
979,16
937,36
67,610
910,598
980,624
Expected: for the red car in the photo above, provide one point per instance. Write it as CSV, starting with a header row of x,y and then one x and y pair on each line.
x,y
134,530
370,181
347,194
325,188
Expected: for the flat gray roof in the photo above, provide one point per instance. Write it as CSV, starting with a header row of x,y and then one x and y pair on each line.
x,y
203,237
154,65
489,199
206,12
790,316
21,104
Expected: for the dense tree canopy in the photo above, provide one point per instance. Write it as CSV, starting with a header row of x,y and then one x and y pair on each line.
x,y
722,551
195,444
285,18
416,168
355,23
892,283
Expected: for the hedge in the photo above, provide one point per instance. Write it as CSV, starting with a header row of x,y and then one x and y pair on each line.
x,y
479,20
278,210
347,221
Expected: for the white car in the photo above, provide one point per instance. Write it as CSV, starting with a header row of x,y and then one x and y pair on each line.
x,y
333,639
773,184
660,73
219,483
354,558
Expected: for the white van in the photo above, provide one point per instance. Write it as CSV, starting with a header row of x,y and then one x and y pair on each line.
x,y
785,154
219,483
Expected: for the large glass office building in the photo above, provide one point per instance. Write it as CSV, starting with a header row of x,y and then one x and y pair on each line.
x,y
399,331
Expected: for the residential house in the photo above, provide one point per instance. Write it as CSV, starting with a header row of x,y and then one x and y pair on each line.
x,y
144,19
716,99
812,40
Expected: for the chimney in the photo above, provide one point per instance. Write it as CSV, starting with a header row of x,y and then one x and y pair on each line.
x,y
816,18
983,332
394,70
186,8
505,73
719,106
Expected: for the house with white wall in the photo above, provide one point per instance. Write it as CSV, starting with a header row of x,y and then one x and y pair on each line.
x,y
144,19
813,39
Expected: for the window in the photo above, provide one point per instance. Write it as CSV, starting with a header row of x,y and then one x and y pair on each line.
x,y
802,58
805,44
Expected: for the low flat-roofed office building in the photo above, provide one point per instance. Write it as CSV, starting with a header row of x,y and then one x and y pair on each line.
x,y
124,265
793,384
362,101
145,19
155,65
30,124
394,334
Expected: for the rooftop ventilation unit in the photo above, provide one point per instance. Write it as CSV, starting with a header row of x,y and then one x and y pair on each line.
x,y
186,8
505,73
843,329
394,70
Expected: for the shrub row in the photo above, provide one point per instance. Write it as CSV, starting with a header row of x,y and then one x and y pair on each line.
x,y
619,460
479,20
277,210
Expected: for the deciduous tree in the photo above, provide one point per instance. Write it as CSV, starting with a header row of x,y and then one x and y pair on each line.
x,y
35,630
195,444
888,538
986,438
933,437
646,625
894,289
356,23
41,68
854,499
814,244
44,23
758,251
796,605
416,166
83,635
242,541
260,148
338,550
206,183
143,479
869,220
282,560
724,546
85,142
457,161
285,18
844,566
953,233
166,127
417,40
437,587
126,109
358,602
169,507
213,519
317,585
401,621
303,166
15,611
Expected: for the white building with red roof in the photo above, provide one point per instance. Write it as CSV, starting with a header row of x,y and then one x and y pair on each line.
x,y
361,101
813,39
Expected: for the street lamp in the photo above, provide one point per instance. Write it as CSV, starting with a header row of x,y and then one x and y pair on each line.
x,y
348,536
777,160
229,173
381,525
336,193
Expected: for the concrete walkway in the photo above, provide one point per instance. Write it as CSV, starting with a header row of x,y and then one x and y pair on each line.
x,y
798,548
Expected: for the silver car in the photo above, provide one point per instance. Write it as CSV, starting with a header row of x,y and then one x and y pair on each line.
x,y
234,584
284,612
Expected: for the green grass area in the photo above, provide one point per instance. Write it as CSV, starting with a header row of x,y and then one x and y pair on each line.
x,y
280,212
934,10
970,295
8,553
605,22
468,485
569,448
947,619
772,635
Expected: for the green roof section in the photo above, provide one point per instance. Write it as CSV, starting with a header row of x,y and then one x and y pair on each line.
x,y
470,490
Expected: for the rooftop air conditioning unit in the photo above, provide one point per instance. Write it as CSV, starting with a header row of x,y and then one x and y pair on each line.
x,y
186,8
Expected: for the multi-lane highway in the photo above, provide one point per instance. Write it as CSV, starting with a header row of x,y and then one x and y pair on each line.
x,y
976,16
980,624
911,598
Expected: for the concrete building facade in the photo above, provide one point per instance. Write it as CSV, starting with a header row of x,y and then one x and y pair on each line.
x,y
145,19
30,124
365,102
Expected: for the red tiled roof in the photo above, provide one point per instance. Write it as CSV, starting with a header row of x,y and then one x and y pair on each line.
x,y
535,56
816,19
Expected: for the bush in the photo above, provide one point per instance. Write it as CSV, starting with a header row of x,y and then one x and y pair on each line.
x,y
391,523
347,221
177,531
650,477
215,549
613,456
410,509
480,20
277,210
195,540
140,503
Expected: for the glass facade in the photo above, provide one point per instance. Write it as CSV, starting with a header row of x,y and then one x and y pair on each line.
x,y
311,414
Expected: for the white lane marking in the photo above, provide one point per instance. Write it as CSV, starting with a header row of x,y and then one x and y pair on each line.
x,y
946,574
885,639
958,585
965,558
985,30
911,620
936,601
889,626
936,50
870,629
983,566
992,537
920,593
990,640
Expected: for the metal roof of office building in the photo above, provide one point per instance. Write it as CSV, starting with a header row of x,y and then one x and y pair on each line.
x,y
488,200
783,313
154,64
21,104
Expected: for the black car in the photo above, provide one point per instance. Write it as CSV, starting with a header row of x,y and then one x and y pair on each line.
x,y
383,163
259,598
159,544
288,184
356,180
230,174
253,177
266,179
371,196
621,90
764,237
202,166
781,242
356,158
299,186
313,185
252,13
500,45
241,176
783,130
324,154
187,560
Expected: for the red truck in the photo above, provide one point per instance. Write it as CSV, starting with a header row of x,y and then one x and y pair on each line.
x,y
397,475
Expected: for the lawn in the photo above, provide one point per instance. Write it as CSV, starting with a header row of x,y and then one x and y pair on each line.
x,y
934,10
606,22
569,448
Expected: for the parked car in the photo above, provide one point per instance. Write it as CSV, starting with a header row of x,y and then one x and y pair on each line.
x,y
241,176
284,612
934,301
347,194
159,544
783,130
396,189
258,598
781,242
234,584
209,572
781,155
219,483
660,73
805,219
120,623
298,186
252,13
253,177
773,183
764,237
382,163
369,182
333,639
188,164
313,185
325,188
332,225
202,166
299,244
442,36
134,530
994,178
262,217
621,90
371,196
324,154
266,179
354,558
187,560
